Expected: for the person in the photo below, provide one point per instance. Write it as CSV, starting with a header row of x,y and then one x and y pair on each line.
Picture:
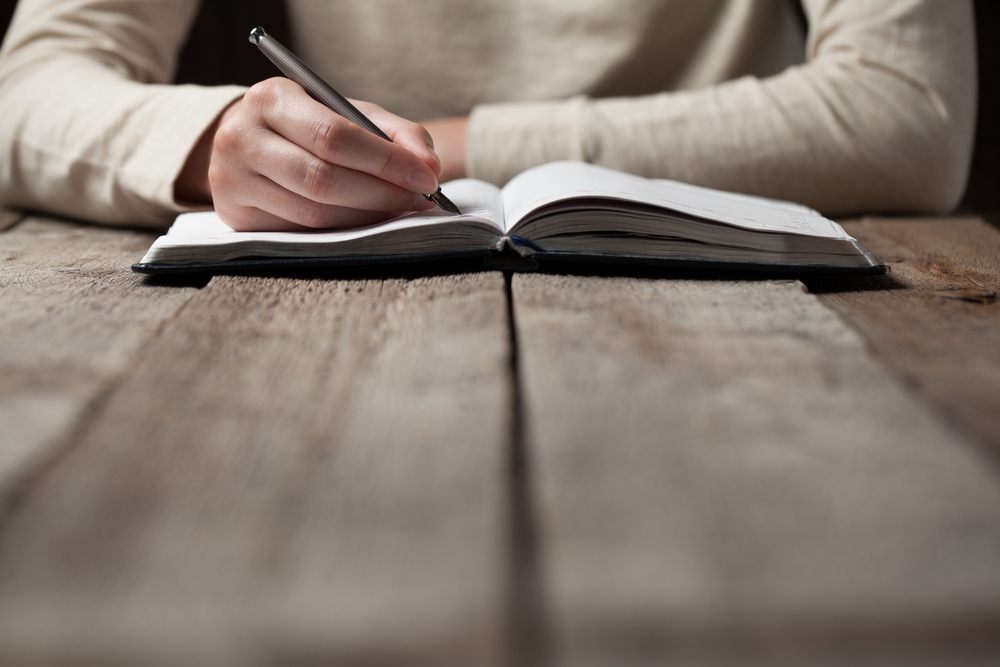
x,y
867,107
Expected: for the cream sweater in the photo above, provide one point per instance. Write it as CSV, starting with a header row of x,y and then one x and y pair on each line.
x,y
873,110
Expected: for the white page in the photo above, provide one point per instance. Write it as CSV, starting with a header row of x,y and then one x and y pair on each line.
x,y
558,181
478,201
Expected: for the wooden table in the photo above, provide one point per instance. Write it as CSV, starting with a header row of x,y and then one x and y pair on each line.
x,y
480,469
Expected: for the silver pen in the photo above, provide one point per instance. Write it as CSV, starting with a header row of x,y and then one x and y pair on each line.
x,y
322,92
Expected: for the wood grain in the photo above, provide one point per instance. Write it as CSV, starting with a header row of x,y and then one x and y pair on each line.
x,y
939,328
73,317
723,475
297,472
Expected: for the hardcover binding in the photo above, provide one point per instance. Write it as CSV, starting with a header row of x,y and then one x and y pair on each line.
x,y
504,260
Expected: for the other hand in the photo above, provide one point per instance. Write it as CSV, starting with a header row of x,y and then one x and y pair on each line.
x,y
279,160
449,135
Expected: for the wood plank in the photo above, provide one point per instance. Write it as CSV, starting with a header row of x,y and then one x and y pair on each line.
x,y
298,472
939,327
72,319
723,475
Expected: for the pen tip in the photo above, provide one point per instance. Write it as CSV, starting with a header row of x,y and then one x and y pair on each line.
x,y
445,203
256,34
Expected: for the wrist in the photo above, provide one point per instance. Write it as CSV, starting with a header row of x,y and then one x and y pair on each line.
x,y
192,185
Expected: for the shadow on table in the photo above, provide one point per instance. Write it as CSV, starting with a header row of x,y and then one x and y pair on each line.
x,y
828,285
815,283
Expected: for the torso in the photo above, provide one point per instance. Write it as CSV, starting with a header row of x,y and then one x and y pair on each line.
x,y
446,56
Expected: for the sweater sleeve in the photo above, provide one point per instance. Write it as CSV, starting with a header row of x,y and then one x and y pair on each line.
x,y
881,117
90,127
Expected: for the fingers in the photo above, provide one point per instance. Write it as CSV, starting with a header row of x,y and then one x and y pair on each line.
x,y
271,208
288,111
306,175
281,160
263,204
411,136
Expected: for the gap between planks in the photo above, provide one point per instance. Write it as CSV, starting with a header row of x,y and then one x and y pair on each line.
x,y
98,248
528,634
527,622
722,474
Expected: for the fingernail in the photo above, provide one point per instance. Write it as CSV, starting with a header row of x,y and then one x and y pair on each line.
x,y
421,181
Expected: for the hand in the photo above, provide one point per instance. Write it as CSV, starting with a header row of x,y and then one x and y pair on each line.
x,y
449,135
279,160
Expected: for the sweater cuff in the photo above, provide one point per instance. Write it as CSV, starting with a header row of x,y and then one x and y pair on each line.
x,y
151,169
505,139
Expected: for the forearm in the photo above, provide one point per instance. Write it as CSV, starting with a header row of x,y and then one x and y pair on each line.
x,y
89,131
880,119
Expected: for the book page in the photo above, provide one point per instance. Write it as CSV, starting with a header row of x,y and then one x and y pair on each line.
x,y
203,237
477,200
561,181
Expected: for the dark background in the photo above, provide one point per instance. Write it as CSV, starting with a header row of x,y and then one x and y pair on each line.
x,y
223,25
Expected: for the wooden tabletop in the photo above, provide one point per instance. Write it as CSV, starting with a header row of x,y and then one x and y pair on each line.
x,y
485,469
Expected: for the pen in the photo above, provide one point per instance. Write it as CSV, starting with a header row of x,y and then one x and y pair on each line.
x,y
322,92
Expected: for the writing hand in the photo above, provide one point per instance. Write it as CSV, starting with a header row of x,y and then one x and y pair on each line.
x,y
279,160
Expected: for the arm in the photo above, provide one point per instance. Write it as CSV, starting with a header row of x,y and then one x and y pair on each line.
x,y
92,129
881,118
89,128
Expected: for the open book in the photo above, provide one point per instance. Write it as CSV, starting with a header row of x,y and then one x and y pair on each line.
x,y
562,211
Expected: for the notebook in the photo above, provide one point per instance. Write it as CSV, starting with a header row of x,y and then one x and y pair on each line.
x,y
557,212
